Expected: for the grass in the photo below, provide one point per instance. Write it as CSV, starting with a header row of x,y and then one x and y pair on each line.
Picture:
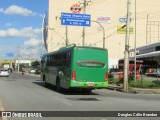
x,y
141,84
137,84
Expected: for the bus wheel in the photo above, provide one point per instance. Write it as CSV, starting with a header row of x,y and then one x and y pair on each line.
x,y
57,85
44,81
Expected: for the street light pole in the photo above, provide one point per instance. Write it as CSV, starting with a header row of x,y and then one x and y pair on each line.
x,y
126,52
103,32
84,11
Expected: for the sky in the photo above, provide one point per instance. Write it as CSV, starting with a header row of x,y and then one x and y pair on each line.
x,y
20,28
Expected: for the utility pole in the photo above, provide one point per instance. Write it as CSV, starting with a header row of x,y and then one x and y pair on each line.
x,y
66,35
135,42
126,52
84,11
147,30
18,59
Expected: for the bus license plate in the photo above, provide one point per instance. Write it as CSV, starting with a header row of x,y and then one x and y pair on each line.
x,y
90,84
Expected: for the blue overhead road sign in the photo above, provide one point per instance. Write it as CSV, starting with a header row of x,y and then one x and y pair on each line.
x,y
124,20
75,19
9,54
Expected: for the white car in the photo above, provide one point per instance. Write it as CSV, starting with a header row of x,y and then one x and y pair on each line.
x,y
32,70
4,72
156,72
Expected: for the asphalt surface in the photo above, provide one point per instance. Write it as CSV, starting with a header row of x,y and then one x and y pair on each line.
x,y
27,93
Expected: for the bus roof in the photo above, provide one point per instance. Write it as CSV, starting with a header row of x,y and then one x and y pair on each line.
x,y
68,48
151,54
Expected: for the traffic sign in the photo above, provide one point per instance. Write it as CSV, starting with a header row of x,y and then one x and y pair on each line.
x,y
104,19
124,20
75,19
10,54
122,30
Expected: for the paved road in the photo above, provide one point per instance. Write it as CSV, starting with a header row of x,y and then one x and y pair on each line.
x,y
27,93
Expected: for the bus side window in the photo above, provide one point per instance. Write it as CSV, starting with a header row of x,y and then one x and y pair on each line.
x,y
68,61
49,61
54,60
42,63
46,61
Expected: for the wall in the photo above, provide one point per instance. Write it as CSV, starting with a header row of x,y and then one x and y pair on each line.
x,y
115,9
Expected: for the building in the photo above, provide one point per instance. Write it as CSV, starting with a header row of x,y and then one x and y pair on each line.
x,y
28,62
147,52
111,15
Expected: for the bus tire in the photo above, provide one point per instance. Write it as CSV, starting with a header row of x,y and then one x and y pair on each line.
x,y
58,85
44,81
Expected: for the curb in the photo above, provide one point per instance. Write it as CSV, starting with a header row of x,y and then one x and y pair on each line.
x,y
146,91
115,88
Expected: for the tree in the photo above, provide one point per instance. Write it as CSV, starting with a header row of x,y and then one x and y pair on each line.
x,y
35,64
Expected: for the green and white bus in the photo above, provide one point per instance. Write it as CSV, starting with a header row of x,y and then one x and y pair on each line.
x,y
76,67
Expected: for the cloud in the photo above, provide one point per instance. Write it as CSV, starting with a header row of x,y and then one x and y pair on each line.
x,y
1,9
16,10
27,32
33,42
32,48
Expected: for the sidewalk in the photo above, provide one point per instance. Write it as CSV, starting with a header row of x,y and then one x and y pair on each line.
x,y
134,90
146,90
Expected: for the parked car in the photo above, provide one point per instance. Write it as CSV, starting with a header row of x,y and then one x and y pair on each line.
x,y
32,70
150,71
4,73
156,72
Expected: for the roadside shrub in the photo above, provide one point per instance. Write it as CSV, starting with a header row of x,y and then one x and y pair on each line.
x,y
145,84
140,84
156,83
110,78
131,77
